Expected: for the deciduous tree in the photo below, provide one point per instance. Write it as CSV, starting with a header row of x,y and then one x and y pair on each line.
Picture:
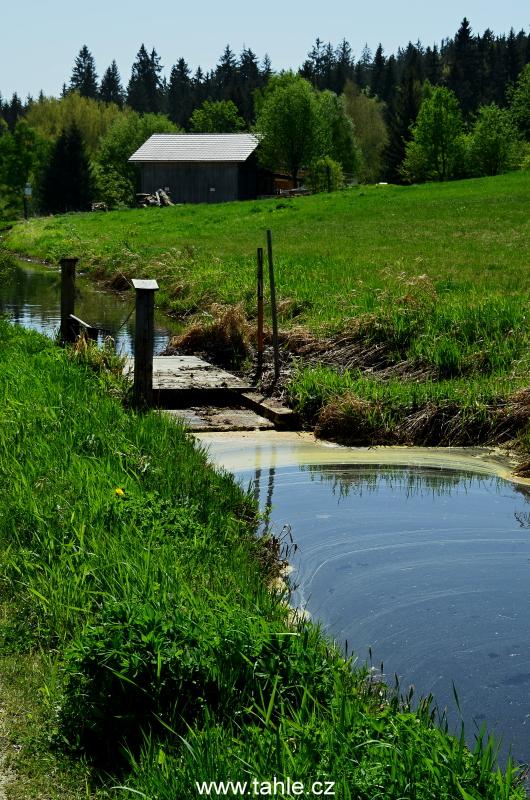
x,y
370,130
437,135
492,142
289,124
22,155
219,116
51,117
519,100
117,180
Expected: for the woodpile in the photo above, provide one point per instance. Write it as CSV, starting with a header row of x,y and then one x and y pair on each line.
x,y
159,198
99,207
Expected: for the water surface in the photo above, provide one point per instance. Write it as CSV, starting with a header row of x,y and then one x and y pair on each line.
x,y
427,565
32,298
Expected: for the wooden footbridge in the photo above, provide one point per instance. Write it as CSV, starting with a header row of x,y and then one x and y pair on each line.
x,y
210,399
205,397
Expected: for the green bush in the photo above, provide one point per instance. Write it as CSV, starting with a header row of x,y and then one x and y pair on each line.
x,y
317,178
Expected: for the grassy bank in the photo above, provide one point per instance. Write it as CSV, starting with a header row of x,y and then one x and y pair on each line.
x,y
134,585
425,284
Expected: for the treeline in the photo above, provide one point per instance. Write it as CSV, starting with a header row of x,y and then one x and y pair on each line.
x,y
477,68
460,110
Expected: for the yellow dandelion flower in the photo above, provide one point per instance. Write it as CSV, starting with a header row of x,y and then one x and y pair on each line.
x,y
120,492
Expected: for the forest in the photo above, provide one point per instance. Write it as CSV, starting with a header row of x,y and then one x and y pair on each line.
x,y
389,108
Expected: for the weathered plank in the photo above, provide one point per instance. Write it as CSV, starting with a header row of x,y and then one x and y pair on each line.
x,y
221,419
188,373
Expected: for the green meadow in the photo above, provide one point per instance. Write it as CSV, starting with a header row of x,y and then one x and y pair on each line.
x,y
436,275
145,645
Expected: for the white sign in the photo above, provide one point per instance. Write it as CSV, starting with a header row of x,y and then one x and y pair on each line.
x,y
27,190
212,189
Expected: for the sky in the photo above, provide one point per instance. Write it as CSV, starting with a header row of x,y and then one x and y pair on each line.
x,y
40,40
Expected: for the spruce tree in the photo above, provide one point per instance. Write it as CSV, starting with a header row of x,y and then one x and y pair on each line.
x,y
84,76
67,183
378,72
433,65
179,94
406,108
249,79
225,73
266,68
111,90
344,66
144,92
13,111
463,74
512,59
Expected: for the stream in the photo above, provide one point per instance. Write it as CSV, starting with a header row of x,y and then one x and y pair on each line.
x,y
420,555
32,298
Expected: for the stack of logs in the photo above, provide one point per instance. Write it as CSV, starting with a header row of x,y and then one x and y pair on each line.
x,y
158,198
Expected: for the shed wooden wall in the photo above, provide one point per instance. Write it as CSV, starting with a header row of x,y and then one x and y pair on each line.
x,y
191,182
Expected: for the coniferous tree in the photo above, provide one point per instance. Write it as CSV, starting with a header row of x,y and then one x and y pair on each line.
x,y
311,69
144,91
84,76
67,182
344,67
512,59
433,65
226,71
249,79
266,68
13,111
463,74
388,88
378,72
199,89
406,108
111,90
179,94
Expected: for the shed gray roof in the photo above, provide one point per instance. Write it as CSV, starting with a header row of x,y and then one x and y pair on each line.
x,y
196,147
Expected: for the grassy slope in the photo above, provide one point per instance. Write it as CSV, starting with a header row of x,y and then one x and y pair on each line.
x,y
152,605
437,275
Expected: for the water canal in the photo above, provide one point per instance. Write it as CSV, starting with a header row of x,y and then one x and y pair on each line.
x,y
32,298
422,555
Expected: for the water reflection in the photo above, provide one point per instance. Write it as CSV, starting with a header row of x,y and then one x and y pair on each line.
x,y
32,296
428,567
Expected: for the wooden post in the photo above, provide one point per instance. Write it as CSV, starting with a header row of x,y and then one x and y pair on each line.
x,y
260,309
144,340
67,297
273,309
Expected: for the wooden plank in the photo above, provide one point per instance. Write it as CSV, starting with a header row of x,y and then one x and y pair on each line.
x,y
221,419
188,372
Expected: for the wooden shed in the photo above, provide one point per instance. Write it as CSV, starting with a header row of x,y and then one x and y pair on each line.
x,y
203,167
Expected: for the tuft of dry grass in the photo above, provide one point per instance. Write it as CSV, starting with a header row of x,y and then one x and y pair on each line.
x,y
353,420
226,336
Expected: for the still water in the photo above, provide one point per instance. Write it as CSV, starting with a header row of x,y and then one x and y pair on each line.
x,y
32,298
427,564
